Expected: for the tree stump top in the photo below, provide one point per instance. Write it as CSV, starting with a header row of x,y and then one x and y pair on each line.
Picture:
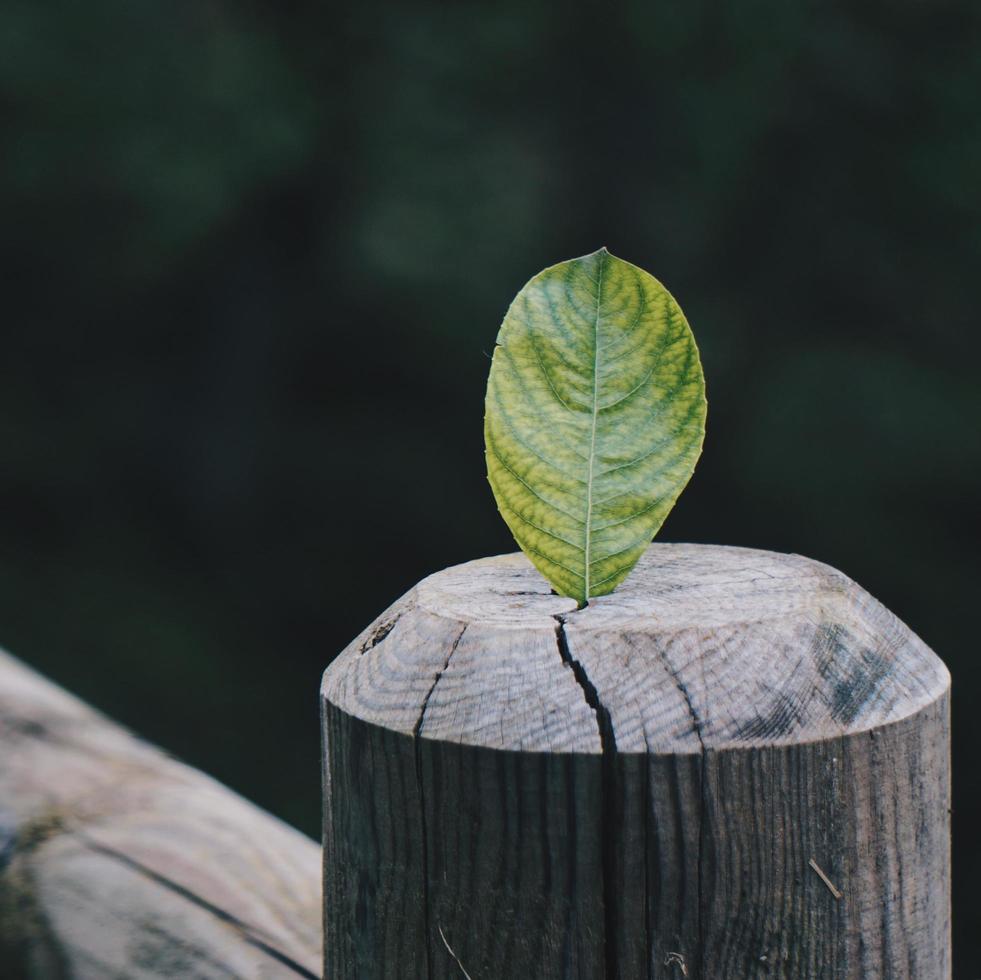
x,y
703,647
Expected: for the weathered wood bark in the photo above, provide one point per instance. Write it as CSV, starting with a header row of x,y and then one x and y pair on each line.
x,y
119,862
735,766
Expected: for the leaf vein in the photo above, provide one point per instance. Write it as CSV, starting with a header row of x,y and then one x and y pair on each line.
x,y
528,487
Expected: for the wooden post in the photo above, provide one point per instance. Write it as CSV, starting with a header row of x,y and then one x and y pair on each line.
x,y
119,862
735,766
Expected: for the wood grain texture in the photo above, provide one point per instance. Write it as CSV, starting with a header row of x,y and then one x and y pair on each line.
x,y
735,766
119,862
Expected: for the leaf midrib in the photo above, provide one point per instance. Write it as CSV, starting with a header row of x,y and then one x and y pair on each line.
x,y
592,439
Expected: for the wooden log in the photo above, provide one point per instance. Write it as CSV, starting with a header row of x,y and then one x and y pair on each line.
x,y
119,862
735,766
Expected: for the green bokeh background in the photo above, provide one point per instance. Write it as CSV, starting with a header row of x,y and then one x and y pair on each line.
x,y
255,256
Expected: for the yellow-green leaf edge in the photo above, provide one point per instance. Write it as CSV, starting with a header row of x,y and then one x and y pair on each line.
x,y
594,421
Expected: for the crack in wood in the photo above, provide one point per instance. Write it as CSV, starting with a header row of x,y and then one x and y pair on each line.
x,y
696,723
247,932
608,790
379,634
439,673
416,735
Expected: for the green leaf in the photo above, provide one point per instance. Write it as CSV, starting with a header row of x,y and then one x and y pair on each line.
x,y
594,420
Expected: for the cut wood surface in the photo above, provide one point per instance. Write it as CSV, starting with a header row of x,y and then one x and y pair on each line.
x,y
735,766
117,861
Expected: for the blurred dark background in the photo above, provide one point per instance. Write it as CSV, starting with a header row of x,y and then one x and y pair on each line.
x,y
255,256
